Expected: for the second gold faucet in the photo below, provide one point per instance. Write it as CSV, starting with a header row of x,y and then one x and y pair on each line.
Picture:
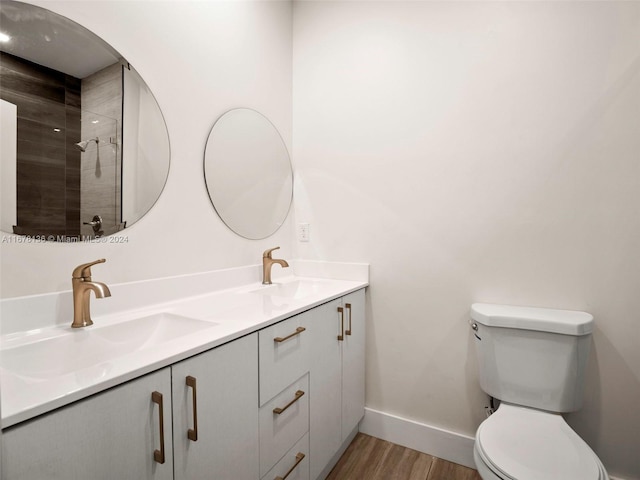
x,y
267,263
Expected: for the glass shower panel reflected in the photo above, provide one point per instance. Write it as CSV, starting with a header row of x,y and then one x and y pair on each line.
x,y
100,181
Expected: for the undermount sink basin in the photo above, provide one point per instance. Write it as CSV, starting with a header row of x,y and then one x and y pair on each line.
x,y
78,349
295,289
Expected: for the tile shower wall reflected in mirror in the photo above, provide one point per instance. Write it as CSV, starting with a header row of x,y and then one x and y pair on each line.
x,y
68,153
101,166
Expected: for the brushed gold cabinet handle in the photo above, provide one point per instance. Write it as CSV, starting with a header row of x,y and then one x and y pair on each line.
x,y
279,410
192,433
348,306
158,455
298,331
341,336
299,458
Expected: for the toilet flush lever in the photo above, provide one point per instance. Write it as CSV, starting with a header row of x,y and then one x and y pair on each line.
x,y
474,327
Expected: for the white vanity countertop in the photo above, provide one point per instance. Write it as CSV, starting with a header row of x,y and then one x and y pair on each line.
x,y
30,388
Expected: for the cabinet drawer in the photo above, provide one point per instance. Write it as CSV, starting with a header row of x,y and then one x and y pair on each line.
x,y
284,354
280,431
295,462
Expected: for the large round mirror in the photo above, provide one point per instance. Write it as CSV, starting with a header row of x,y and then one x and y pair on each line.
x,y
84,147
248,173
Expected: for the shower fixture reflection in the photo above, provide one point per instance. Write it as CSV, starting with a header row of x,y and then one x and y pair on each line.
x,y
82,145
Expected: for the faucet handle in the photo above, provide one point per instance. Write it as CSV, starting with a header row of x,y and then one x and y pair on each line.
x,y
84,271
267,253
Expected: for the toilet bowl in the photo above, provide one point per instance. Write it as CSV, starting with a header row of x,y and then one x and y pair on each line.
x,y
519,443
533,360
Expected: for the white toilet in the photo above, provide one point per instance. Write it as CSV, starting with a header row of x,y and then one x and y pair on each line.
x,y
533,361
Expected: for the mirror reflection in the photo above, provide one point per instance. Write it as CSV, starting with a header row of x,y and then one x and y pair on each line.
x,y
84,150
248,173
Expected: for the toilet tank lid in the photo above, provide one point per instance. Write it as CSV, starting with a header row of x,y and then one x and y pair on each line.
x,y
566,322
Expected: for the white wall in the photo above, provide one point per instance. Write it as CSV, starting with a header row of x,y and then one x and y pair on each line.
x,y
200,59
477,152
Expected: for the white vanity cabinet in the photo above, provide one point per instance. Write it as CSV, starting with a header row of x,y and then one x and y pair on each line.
x,y
281,400
337,377
110,435
215,413
116,434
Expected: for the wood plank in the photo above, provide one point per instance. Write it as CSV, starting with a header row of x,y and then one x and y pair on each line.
x,y
353,458
403,463
370,458
443,470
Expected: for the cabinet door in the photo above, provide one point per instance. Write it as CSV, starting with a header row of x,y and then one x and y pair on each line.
x,y
226,400
325,401
109,435
353,362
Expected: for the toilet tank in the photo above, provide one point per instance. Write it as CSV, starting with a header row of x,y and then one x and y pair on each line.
x,y
534,357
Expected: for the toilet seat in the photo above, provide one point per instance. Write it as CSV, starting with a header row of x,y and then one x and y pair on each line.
x,y
519,443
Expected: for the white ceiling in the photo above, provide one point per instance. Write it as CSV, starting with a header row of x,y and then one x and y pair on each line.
x,y
49,39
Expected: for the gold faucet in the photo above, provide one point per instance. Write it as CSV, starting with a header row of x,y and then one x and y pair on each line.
x,y
82,286
267,263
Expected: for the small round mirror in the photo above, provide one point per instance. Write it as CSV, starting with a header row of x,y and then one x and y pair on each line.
x,y
248,173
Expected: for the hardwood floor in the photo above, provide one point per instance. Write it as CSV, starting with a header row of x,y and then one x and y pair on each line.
x,y
369,458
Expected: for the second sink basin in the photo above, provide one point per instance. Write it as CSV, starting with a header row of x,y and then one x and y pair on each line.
x,y
77,349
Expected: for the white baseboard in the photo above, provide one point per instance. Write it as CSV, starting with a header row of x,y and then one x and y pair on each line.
x,y
435,441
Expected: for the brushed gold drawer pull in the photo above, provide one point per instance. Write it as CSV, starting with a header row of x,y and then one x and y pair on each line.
x,y
348,306
298,331
279,410
299,458
158,455
192,433
341,336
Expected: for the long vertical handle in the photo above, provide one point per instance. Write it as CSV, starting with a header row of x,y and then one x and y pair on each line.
x,y
192,434
341,336
158,455
348,307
